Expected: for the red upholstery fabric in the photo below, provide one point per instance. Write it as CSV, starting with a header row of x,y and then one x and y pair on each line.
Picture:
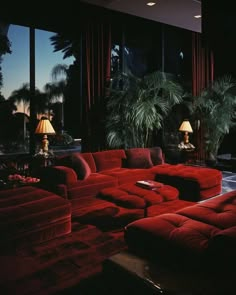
x,y
169,233
206,177
84,205
210,192
202,228
90,186
156,155
103,213
125,175
123,198
138,158
132,196
219,211
167,207
76,162
58,175
29,215
90,160
107,160
194,183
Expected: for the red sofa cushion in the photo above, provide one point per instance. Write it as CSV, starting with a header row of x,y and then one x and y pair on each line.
x,y
167,207
219,211
125,175
168,234
76,162
194,183
138,158
206,177
90,186
132,196
156,155
107,160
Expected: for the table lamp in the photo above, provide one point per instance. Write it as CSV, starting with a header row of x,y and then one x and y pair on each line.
x,y
45,127
186,128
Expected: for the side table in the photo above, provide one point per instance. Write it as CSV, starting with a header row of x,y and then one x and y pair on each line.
x,y
188,155
40,161
175,155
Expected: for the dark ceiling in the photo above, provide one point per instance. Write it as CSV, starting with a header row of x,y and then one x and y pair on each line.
x,y
59,18
179,13
63,17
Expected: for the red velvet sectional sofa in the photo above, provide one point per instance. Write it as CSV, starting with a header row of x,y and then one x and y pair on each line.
x,y
105,182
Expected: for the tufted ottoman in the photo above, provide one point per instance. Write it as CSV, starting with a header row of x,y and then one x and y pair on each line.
x,y
191,235
194,183
151,202
31,215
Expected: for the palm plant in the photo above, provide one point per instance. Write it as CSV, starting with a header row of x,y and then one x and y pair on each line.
x,y
216,108
5,47
68,46
56,90
137,106
23,95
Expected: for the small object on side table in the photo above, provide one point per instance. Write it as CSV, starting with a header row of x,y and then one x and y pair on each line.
x,y
186,146
44,159
187,152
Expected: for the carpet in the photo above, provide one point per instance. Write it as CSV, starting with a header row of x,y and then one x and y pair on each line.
x,y
60,264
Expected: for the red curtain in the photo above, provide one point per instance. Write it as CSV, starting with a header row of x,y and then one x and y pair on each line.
x,y
96,62
202,75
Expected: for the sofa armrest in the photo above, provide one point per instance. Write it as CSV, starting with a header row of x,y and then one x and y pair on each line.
x,y
58,175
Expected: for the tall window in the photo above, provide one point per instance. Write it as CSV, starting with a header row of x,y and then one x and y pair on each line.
x,y
142,51
52,74
14,98
52,70
178,54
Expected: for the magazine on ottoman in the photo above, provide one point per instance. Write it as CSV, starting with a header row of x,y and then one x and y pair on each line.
x,y
149,184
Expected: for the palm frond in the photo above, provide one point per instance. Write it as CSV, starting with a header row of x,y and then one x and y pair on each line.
x,y
142,104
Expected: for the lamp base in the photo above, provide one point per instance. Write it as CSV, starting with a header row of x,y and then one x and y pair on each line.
x,y
186,137
45,143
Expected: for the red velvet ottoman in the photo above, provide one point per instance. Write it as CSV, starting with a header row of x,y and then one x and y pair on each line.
x,y
31,215
200,233
152,202
194,183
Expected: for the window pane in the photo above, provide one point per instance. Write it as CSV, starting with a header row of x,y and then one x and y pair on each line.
x,y
14,99
51,74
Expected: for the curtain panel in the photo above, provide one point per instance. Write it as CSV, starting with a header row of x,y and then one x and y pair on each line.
x,y
96,63
202,75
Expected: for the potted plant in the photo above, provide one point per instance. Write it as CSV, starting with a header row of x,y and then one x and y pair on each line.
x,y
137,106
216,109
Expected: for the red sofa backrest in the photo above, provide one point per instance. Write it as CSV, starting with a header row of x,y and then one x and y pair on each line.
x,y
111,159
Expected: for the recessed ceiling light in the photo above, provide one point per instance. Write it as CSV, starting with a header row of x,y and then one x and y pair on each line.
x,y
151,3
197,16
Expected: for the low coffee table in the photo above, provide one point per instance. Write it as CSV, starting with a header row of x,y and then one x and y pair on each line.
x,y
126,273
